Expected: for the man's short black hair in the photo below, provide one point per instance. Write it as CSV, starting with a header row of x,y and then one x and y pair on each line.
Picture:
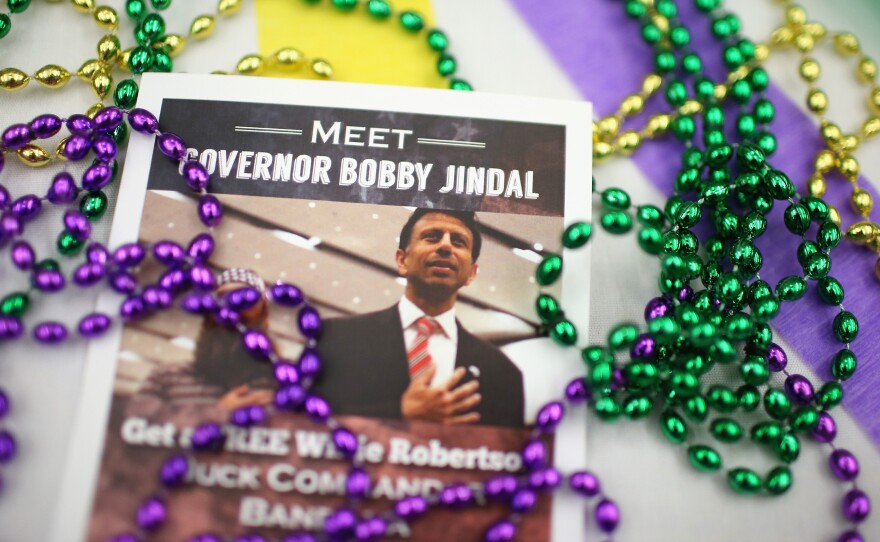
x,y
468,218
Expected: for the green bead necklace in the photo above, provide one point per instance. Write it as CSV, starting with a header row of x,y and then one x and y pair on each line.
x,y
413,23
697,330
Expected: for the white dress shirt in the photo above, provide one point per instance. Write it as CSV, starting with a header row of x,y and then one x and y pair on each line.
x,y
441,345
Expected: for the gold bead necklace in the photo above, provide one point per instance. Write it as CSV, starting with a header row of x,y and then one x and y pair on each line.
x,y
839,147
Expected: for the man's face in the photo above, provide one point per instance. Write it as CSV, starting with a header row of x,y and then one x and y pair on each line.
x,y
439,254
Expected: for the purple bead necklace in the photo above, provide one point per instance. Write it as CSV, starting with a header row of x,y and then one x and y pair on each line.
x,y
187,269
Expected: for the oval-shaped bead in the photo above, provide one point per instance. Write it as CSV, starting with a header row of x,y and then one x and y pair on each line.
x,y
704,458
726,430
548,308
777,404
778,480
845,327
549,270
616,222
744,481
564,333
673,427
576,235
766,433
804,419
844,364
791,288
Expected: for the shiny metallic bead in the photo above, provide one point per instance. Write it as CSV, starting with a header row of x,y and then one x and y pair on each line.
x,y
106,17
826,429
616,222
550,416
861,201
15,304
825,161
89,68
411,21
844,465
344,440
804,419
830,395
862,233
108,49
309,322
797,218
845,327
228,7
549,270
704,458
766,433
776,404
788,448
778,480
849,167
637,407
810,70
563,333
818,265
5,25
322,68
632,105
844,364
94,204
609,127
804,42
317,408
415,506
140,60
97,177
250,65
52,76
871,127
744,481
673,426
202,27
846,44
288,58
856,506
173,44
607,515
48,280
501,531
102,83
10,328
33,155
379,9
817,101
12,79
834,215
628,142
67,244
50,332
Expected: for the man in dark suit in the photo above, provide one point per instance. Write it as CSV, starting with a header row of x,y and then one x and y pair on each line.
x,y
414,360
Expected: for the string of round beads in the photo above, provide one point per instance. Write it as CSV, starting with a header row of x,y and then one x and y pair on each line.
x,y
96,72
414,23
286,59
839,147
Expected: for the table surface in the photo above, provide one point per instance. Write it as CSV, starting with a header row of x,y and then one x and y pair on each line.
x,y
501,49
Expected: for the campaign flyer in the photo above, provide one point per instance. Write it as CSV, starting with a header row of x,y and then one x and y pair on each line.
x,y
413,220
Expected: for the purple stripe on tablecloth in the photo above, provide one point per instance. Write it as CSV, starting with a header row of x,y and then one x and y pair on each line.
x,y
601,50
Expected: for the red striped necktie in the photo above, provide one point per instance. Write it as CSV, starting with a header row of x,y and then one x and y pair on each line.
x,y
418,355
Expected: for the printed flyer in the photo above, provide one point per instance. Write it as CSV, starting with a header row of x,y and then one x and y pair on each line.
x,y
371,200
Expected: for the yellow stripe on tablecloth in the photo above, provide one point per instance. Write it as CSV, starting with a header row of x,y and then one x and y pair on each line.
x,y
360,48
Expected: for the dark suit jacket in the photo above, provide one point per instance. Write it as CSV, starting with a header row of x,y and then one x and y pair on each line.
x,y
366,370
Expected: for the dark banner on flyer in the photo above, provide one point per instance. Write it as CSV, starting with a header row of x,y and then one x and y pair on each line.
x,y
378,157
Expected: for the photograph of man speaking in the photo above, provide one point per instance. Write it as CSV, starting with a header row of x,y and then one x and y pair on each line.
x,y
414,360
